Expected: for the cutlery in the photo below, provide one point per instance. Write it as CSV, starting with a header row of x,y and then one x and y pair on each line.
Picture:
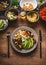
x,y
40,36
8,39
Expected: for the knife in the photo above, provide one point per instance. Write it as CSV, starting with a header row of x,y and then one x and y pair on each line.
x,y
8,39
40,36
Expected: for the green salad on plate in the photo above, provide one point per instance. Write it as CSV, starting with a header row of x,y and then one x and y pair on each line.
x,y
24,39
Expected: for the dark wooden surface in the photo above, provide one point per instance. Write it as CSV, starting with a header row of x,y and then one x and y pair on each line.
x,y
19,59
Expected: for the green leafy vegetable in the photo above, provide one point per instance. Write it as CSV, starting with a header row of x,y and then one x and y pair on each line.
x,y
1,24
14,2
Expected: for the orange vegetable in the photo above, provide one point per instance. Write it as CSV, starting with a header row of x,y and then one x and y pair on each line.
x,y
43,13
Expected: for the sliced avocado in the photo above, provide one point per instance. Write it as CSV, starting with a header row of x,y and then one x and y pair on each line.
x,y
28,43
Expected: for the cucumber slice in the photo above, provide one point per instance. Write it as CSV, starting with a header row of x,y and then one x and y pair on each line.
x,y
1,24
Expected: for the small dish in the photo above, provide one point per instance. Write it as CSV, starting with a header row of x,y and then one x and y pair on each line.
x,y
3,23
12,14
28,5
4,5
22,15
33,16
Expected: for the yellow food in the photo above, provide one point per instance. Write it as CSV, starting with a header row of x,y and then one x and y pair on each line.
x,y
22,15
28,6
32,17
11,15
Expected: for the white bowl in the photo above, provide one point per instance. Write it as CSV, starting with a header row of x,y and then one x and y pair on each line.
x,y
33,2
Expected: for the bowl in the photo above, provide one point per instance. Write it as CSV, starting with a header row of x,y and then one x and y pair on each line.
x,y
3,23
42,12
6,4
32,16
11,14
28,5
22,15
27,29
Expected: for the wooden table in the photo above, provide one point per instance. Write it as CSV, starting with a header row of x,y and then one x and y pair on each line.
x,y
19,59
